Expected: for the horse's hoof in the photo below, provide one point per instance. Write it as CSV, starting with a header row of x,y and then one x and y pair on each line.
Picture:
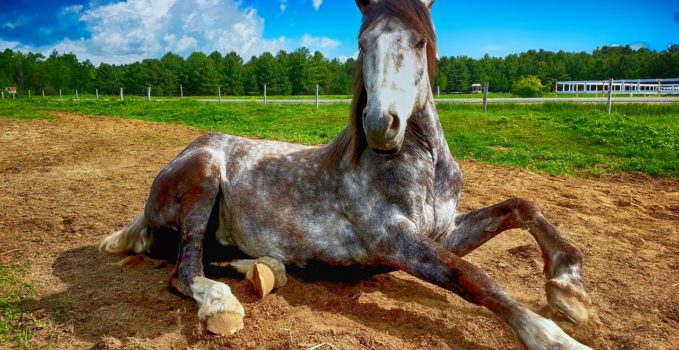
x,y
570,302
265,273
277,268
537,333
263,279
224,323
219,308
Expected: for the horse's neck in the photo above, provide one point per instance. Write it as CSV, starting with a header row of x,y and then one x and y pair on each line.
x,y
447,173
430,126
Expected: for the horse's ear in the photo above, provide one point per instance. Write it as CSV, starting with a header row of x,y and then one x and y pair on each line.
x,y
428,3
364,5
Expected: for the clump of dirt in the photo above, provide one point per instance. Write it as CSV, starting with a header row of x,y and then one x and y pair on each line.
x,y
68,182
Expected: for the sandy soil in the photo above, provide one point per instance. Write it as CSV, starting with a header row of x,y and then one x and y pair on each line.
x,y
68,182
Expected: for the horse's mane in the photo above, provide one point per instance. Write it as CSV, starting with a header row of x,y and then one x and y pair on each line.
x,y
413,14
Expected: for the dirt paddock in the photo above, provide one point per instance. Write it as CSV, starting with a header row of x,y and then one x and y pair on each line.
x,y
68,182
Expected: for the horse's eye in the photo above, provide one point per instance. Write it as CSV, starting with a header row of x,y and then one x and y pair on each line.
x,y
420,44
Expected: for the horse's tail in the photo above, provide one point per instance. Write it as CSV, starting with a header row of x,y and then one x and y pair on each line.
x,y
134,238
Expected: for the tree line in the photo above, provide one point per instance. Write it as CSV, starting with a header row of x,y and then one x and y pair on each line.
x,y
298,72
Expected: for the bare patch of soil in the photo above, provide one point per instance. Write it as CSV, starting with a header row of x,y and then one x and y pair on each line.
x,y
68,182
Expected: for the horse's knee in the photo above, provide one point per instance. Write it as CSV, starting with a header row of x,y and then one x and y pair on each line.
x,y
524,210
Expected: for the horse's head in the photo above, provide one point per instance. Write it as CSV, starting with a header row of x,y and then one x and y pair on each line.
x,y
397,52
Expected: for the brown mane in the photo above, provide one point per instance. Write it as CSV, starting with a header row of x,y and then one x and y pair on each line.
x,y
413,14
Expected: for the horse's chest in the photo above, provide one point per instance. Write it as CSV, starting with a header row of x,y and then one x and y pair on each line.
x,y
403,190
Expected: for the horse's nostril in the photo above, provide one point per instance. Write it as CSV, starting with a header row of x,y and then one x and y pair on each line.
x,y
395,124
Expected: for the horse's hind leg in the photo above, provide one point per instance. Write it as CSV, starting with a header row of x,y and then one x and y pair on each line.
x,y
563,261
218,306
265,273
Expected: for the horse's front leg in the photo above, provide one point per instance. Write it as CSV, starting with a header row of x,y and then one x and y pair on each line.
x,y
220,309
401,247
563,261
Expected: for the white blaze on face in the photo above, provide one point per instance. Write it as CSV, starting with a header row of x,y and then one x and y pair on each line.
x,y
396,81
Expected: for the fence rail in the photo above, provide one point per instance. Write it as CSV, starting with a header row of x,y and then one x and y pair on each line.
x,y
121,94
483,99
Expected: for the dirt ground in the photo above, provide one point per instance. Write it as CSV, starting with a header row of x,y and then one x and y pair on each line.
x,y
67,183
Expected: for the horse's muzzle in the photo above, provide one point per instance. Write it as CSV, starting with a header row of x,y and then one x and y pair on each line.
x,y
383,131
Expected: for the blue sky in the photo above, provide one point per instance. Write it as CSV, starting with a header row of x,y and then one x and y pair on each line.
x,y
124,31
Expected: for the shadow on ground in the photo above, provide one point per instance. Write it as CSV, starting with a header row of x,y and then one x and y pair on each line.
x,y
106,300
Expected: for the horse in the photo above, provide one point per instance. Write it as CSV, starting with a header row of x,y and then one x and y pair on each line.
x,y
383,193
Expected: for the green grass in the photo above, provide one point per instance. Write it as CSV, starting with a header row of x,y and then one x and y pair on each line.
x,y
554,138
13,290
565,138
20,110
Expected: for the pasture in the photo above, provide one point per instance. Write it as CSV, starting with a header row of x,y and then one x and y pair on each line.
x,y
72,172
554,138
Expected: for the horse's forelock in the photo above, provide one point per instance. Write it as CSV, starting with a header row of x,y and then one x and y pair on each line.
x,y
413,14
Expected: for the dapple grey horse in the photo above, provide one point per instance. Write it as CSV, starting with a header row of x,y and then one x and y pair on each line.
x,y
384,193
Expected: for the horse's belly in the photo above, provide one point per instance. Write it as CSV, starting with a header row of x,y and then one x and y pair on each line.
x,y
292,234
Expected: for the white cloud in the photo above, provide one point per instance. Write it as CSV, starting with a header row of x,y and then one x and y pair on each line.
x,y
635,46
17,22
317,4
132,30
329,43
8,45
319,42
75,9
183,44
283,5
639,45
343,58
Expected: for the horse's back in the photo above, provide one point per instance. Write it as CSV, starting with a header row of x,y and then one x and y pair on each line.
x,y
206,167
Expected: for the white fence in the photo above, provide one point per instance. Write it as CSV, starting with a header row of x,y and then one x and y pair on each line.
x,y
623,86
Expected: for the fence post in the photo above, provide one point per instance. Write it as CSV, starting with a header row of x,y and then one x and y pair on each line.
x,y
121,94
3,94
219,93
43,94
264,93
317,96
630,89
181,91
76,95
29,94
610,94
96,91
60,94
658,87
148,93
485,96
438,91
14,95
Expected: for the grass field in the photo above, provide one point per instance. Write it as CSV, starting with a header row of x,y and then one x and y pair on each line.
x,y
14,289
555,138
